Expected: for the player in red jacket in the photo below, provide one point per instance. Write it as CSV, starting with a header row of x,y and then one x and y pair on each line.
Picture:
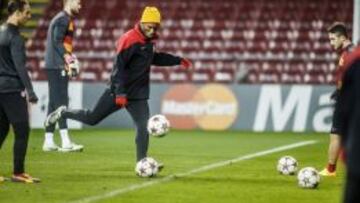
x,y
130,78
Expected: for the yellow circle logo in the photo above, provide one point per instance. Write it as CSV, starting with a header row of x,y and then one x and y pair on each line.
x,y
210,107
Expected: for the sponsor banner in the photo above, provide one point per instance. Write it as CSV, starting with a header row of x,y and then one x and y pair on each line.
x,y
293,108
38,111
296,108
209,107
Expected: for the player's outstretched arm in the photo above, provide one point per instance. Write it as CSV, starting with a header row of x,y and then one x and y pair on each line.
x,y
165,59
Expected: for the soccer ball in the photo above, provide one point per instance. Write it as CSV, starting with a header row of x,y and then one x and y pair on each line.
x,y
287,165
147,167
308,177
158,125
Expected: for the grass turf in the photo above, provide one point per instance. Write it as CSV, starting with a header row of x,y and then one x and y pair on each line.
x,y
108,161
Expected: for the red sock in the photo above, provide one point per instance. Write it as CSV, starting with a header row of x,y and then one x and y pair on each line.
x,y
331,167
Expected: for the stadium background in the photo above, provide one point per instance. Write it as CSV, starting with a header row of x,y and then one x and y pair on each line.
x,y
281,46
259,66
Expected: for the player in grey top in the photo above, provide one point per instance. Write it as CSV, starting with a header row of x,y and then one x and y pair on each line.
x,y
60,65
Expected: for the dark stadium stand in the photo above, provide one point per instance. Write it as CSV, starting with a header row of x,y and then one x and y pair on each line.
x,y
229,41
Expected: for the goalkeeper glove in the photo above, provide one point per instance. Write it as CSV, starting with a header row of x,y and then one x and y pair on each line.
x,y
72,65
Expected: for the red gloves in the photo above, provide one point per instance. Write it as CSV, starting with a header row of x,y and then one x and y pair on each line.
x,y
121,100
186,63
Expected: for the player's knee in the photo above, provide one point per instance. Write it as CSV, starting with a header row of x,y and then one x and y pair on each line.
x,y
21,130
90,118
4,130
92,122
142,131
141,128
141,125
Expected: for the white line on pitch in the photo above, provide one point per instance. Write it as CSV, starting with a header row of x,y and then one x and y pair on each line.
x,y
194,171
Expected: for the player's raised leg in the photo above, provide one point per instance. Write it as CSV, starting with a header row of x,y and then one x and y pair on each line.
x,y
104,107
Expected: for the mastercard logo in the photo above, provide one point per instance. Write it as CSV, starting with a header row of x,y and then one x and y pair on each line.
x,y
209,107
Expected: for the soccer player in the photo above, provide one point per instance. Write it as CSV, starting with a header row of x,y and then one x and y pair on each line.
x,y
349,100
15,87
341,42
130,78
60,64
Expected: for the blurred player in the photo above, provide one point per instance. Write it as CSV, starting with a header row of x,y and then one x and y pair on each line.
x,y
60,64
341,42
15,87
130,79
349,100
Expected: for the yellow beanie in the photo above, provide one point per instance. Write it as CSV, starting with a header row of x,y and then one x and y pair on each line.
x,y
151,15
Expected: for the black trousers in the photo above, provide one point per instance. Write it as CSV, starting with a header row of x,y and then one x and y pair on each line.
x,y
14,111
352,189
58,95
336,120
138,109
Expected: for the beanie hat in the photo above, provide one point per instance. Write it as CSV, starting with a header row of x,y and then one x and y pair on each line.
x,y
151,15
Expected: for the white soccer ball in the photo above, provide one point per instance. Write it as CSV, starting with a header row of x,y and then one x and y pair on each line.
x,y
158,125
147,167
287,165
308,177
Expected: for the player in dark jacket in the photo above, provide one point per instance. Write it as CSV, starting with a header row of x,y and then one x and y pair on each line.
x,y
15,87
129,80
349,100
340,41
60,64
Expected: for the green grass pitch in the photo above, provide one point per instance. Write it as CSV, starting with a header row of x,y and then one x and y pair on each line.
x,y
107,165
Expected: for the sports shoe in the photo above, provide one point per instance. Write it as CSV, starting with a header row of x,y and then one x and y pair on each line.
x,y
325,172
24,178
72,148
50,147
54,116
